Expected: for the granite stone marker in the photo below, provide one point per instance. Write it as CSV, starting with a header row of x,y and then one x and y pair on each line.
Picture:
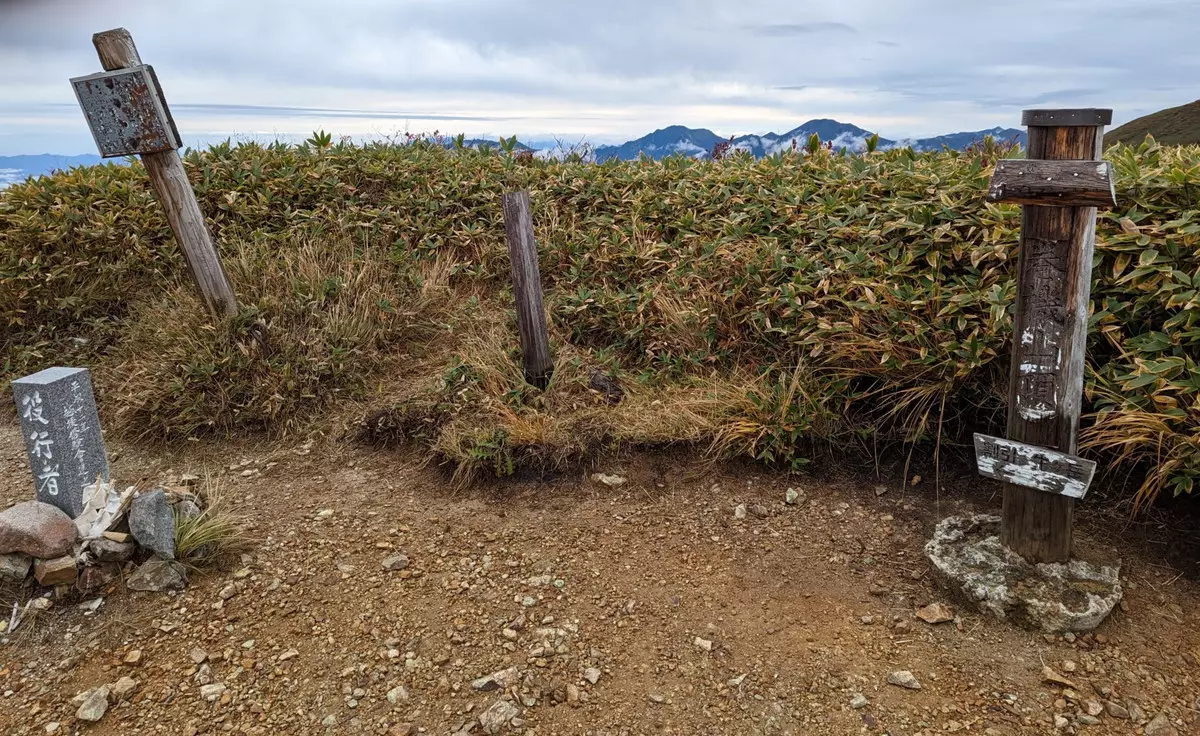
x,y
62,434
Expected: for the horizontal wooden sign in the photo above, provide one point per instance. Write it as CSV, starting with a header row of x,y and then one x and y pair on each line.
x,y
1053,183
1033,467
126,112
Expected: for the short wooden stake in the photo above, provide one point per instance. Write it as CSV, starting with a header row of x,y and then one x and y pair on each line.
x,y
1050,327
527,288
169,179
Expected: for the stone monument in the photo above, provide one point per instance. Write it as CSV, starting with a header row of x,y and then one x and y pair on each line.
x,y
62,434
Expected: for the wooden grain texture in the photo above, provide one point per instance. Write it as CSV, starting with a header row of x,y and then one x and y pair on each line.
x,y
169,179
1034,467
536,358
1049,340
1086,117
1053,183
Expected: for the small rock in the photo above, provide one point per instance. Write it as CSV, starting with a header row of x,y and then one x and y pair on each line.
x,y
935,613
152,523
121,537
572,694
14,567
592,675
1061,721
705,644
868,620
124,687
1093,707
397,695
880,490
329,721
739,511
1115,710
227,592
497,716
1136,714
604,479
500,680
759,511
1086,720
52,727
212,692
37,529
94,577
158,575
198,656
289,654
1049,675
877,589
94,705
402,729
905,679
656,698
1160,726
859,701
395,562
106,550
791,497
58,571
736,681
134,658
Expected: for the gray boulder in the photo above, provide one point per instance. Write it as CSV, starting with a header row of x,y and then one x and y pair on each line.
x,y
158,575
152,523
106,550
14,567
37,529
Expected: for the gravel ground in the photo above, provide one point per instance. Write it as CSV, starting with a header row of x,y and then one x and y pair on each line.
x,y
378,601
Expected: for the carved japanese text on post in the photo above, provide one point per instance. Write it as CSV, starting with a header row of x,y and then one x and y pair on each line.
x,y
1033,467
126,112
1041,331
62,434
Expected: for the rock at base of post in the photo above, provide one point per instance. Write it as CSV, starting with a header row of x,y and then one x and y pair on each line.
x,y
1052,597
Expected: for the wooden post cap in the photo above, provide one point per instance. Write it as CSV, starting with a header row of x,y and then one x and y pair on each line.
x,y
1063,118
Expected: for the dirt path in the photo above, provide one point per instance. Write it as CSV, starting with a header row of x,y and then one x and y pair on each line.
x,y
697,622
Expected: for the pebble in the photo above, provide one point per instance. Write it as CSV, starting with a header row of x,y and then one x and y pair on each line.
x,y
612,481
739,512
499,680
397,694
198,656
289,654
52,727
212,692
497,716
227,592
395,562
791,497
705,644
935,613
1061,721
905,679
592,675
1160,726
1087,720
656,698
858,701
94,706
124,687
134,658
1115,710
759,511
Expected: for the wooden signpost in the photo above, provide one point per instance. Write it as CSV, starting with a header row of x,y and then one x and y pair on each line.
x,y
1060,184
128,114
536,358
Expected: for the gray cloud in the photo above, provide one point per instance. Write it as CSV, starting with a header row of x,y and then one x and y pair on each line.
x,y
789,30
611,70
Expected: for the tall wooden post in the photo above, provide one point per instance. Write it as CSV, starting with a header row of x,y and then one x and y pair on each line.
x,y
169,179
527,288
1050,328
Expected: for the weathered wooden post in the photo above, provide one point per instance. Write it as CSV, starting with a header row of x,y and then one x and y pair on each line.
x,y
128,114
1060,183
527,288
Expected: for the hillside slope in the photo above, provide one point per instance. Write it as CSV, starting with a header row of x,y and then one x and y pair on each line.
x,y
1173,126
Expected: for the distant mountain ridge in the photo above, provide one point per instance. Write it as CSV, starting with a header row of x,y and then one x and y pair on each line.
x,y
699,142
674,139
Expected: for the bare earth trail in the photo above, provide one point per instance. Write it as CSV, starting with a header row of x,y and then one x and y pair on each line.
x,y
698,622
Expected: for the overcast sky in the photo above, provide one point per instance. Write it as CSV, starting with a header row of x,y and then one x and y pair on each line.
x,y
608,70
